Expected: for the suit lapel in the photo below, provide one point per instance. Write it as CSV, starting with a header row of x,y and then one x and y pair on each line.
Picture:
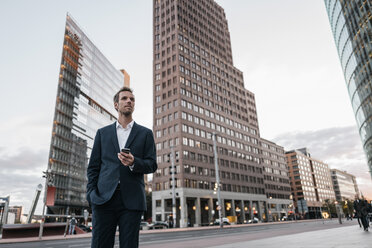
x,y
114,137
132,135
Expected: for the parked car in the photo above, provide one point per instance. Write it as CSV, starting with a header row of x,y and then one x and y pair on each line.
x,y
254,220
144,225
158,225
84,228
216,222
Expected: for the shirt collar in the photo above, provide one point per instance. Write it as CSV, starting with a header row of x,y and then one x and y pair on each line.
x,y
129,126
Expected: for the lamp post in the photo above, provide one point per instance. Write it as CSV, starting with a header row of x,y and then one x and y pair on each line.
x,y
49,180
338,212
293,209
219,207
174,212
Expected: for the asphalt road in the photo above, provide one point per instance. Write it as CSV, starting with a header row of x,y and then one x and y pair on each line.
x,y
199,238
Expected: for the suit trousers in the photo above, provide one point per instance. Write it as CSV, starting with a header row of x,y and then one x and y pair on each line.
x,y
364,221
108,216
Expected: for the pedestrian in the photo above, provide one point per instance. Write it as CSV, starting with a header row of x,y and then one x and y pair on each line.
x,y
364,213
356,206
170,221
122,153
369,217
71,230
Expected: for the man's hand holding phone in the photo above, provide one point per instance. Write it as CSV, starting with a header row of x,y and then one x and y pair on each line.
x,y
125,157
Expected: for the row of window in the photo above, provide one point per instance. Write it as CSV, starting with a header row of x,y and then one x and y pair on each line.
x,y
164,107
276,179
189,62
167,144
207,37
187,155
209,61
276,171
273,155
275,163
170,130
221,130
223,151
219,105
200,184
224,120
277,187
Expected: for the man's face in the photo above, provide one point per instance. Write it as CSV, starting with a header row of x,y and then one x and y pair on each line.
x,y
126,102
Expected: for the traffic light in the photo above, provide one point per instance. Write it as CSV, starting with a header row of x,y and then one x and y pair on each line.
x,y
177,157
168,157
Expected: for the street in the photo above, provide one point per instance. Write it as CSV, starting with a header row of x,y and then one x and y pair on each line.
x,y
204,237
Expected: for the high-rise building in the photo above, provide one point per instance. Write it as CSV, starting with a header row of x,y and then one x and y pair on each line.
x,y
198,91
86,86
276,178
311,183
344,185
351,24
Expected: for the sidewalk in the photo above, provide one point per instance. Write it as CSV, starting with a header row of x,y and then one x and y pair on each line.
x,y
342,237
350,236
89,235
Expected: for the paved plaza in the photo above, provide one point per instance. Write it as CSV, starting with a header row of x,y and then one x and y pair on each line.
x,y
342,237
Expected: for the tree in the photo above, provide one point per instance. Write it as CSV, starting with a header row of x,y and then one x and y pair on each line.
x,y
347,206
330,207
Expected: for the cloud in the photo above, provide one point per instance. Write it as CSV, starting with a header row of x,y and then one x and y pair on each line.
x,y
325,143
20,174
25,131
339,147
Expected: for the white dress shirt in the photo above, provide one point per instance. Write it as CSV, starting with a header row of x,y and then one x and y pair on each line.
x,y
123,134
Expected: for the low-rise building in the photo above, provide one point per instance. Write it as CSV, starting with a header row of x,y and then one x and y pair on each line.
x,y
344,185
311,183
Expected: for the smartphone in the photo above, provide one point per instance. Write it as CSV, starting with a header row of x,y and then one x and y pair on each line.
x,y
126,150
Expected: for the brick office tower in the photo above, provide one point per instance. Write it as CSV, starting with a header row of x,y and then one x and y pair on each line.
x,y
198,91
311,183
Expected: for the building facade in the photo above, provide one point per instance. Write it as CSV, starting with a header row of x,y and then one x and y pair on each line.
x,y
311,183
86,85
198,91
276,178
351,24
17,211
344,185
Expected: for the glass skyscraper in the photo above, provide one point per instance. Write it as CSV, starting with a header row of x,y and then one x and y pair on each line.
x,y
86,85
351,24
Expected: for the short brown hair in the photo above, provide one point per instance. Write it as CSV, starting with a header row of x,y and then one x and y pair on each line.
x,y
125,88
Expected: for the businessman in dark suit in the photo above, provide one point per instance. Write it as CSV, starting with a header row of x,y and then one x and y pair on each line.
x,y
115,189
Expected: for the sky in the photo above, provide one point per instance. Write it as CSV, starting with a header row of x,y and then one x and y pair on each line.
x,y
285,50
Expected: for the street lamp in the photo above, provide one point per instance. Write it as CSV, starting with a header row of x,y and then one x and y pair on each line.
x,y
293,210
174,212
218,186
338,212
49,180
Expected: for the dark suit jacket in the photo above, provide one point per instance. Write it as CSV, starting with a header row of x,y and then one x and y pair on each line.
x,y
105,169
357,206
